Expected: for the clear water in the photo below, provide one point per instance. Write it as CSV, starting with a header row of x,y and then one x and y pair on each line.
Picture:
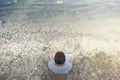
x,y
46,8
97,17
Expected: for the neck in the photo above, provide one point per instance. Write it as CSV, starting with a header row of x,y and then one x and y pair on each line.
x,y
59,64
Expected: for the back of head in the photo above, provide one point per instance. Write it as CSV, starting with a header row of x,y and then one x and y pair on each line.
x,y
59,57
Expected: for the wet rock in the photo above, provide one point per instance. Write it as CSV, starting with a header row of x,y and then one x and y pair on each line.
x,y
7,35
103,61
3,76
44,49
17,78
2,23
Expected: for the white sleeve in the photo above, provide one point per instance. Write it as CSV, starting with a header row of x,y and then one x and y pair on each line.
x,y
70,67
53,56
68,57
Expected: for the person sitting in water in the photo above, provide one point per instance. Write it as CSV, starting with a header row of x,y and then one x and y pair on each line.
x,y
60,63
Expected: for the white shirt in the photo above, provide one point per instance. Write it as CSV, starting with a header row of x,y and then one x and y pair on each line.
x,y
61,69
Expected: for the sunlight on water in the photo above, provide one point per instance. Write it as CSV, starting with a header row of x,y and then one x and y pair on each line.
x,y
59,1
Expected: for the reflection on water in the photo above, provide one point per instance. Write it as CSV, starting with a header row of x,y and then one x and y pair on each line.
x,y
56,7
8,6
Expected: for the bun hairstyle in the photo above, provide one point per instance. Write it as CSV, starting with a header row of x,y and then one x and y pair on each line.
x,y
59,57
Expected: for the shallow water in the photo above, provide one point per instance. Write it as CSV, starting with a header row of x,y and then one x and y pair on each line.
x,y
46,8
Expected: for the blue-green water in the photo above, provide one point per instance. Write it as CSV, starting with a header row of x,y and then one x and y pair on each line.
x,y
48,8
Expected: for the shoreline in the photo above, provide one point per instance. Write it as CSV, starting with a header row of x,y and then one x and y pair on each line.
x,y
24,49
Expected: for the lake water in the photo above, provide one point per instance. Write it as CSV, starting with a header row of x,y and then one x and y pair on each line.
x,y
48,8
96,17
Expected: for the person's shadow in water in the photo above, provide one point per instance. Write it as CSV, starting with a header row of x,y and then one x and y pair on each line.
x,y
53,76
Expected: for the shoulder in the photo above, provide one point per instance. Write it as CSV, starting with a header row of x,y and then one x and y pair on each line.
x,y
68,66
51,64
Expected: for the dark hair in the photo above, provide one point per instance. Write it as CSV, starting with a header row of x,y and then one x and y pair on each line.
x,y
59,57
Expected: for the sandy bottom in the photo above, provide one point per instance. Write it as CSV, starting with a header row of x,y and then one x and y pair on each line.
x,y
24,48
